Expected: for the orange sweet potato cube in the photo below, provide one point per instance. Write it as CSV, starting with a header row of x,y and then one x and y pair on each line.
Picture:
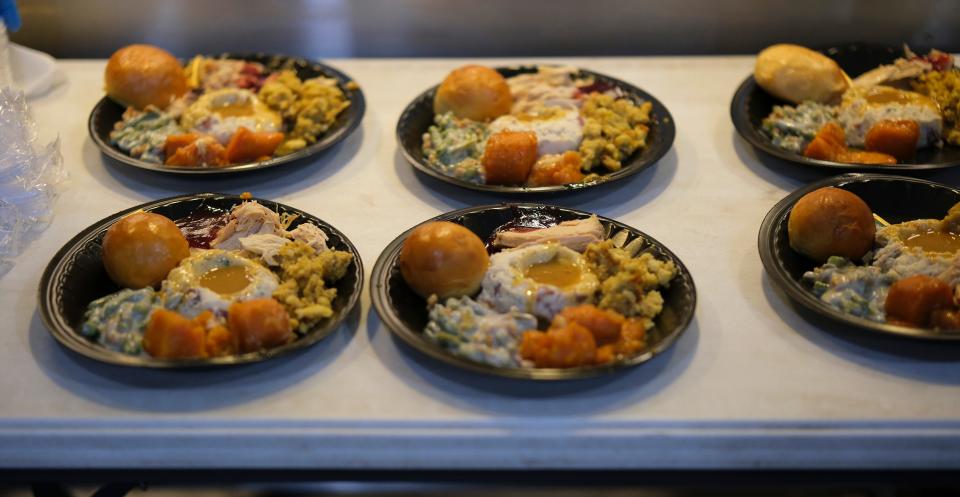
x,y
176,142
197,154
259,324
170,335
249,146
894,137
865,157
829,142
220,342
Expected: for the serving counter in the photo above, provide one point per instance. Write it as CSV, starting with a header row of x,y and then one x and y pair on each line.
x,y
751,384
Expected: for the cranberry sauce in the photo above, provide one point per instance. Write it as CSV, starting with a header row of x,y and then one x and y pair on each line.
x,y
527,220
595,87
201,226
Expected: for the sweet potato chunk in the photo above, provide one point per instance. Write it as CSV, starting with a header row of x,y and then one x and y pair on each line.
x,y
605,325
567,347
259,324
865,157
205,151
250,146
509,156
170,335
633,336
945,319
913,300
553,170
894,137
584,335
220,342
176,142
829,142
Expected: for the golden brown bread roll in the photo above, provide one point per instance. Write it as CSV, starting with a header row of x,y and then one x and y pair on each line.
x,y
140,249
473,92
443,258
831,221
141,75
796,73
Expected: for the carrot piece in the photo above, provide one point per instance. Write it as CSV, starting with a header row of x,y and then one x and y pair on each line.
x,y
249,146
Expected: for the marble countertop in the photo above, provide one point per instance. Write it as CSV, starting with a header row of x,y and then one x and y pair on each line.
x,y
751,384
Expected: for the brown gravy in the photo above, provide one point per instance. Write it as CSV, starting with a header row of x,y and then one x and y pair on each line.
x,y
225,280
934,241
235,110
554,272
884,95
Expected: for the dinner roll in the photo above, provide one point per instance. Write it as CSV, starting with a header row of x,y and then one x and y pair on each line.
x,y
443,258
831,221
141,75
796,73
140,249
473,92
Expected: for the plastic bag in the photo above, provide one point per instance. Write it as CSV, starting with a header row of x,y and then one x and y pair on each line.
x,y
30,177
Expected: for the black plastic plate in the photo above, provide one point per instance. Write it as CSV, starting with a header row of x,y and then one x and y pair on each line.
x,y
76,276
107,113
751,104
405,313
894,198
417,118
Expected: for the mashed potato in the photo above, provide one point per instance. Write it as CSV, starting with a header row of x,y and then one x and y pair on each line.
x,y
538,279
214,279
220,113
862,108
558,130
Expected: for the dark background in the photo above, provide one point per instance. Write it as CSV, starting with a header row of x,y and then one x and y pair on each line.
x,y
432,28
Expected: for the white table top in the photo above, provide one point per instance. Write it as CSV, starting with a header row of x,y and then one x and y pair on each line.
x,y
751,384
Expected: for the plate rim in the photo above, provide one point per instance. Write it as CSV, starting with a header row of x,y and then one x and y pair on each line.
x,y
666,124
357,108
379,299
753,136
68,337
799,295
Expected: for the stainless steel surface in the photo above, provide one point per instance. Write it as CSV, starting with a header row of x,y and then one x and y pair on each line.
x,y
376,28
